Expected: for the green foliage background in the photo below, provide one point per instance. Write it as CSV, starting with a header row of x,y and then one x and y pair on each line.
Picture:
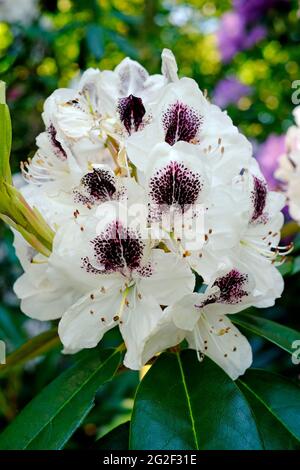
x,y
69,37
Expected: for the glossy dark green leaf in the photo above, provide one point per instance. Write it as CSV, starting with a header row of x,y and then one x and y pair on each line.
x,y
33,348
278,334
278,395
117,439
185,404
273,434
50,419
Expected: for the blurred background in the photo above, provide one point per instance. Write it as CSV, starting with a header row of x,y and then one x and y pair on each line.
x,y
245,53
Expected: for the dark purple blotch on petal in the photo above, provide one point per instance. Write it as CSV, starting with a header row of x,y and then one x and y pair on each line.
x,y
175,185
232,287
96,186
58,148
259,198
131,111
117,249
181,123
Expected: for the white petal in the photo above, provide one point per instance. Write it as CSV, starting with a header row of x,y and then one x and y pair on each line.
x,y
268,281
164,336
140,319
42,300
70,246
238,284
172,278
62,95
184,313
24,251
140,144
132,77
84,323
230,150
216,337
169,66
48,305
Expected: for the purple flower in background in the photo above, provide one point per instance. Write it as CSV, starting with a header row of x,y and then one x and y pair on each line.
x,y
254,35
240,28
229,90
230,35
268,154
253,10
234,36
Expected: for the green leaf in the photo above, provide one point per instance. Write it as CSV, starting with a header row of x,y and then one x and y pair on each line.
x,y
286,268
296,240
117,439
35,347
290,267
278,396
273,434
185,404
51,418
278,334
296,266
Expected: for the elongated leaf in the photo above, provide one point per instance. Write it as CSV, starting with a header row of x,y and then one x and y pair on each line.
x,y
35,347
184,404
117,439
51,418
278,395
278,334
273,434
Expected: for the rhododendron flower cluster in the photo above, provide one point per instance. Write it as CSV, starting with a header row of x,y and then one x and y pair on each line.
x,y
164,225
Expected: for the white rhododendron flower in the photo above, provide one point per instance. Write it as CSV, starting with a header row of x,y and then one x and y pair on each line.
x,y
207,329
151,191
18,11
289,167
127,281
183,114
